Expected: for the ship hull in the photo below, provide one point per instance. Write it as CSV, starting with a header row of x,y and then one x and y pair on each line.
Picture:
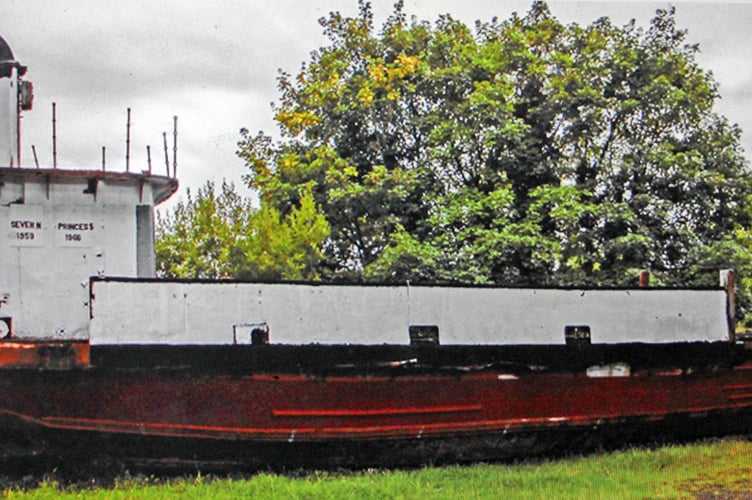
x,y
178,404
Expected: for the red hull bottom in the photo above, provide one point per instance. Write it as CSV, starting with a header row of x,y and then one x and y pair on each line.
x,y
183,414
80,449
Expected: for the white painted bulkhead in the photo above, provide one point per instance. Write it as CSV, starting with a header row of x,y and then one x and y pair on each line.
x,y
60,228
138,312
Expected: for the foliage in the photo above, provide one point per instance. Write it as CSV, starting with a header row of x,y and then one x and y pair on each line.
x,y
522,151
220,235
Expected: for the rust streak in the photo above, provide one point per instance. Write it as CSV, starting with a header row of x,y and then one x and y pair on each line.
x,y
376,412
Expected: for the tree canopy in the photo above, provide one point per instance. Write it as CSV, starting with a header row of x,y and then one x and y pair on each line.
x,y
520,151
219,234
516,152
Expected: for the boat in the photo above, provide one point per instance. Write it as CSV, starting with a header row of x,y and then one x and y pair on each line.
x,y
100,357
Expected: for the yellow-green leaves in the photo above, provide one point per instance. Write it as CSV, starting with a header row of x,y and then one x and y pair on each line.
x,y
221,235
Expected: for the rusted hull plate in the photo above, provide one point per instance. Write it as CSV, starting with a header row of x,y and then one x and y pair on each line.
x,y
207,454
44,355
178,412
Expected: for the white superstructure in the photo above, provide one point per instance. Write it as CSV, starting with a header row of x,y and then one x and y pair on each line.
x,y
60,227
223,313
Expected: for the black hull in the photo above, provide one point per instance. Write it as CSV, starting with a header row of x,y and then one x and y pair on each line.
x,y
27,447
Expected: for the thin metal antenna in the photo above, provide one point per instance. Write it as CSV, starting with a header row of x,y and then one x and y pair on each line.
x,y
36,160
128,142
148,157
103,158
166,155
54,136
175,146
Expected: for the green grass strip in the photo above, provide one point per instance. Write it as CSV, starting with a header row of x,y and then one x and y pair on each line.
x,y
718,468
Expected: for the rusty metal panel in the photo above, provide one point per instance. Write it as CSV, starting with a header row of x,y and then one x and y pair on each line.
x,y
44,355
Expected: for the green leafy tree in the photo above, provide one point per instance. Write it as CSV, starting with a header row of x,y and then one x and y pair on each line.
x,y
218,234
522,151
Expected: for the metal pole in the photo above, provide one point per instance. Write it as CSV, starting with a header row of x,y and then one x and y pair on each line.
x,y
103,158
166,155
644,279
19,108
175,146
36,160
128,142
54,136
148,157
727,282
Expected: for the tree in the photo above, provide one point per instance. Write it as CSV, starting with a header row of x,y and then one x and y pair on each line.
x,y
524,151
220,235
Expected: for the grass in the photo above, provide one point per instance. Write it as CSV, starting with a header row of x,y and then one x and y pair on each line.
x,y
711,469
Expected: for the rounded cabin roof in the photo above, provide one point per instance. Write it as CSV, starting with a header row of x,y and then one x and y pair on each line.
x,y
8,60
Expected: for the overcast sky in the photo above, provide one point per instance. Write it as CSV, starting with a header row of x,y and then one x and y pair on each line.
x,y
214,64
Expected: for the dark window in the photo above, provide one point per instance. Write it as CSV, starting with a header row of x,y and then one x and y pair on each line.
x,y
424,335
260,335
577,335
6,327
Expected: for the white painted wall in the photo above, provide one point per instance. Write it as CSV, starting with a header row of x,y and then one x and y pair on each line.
x,y
9,120
55,237
197,313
